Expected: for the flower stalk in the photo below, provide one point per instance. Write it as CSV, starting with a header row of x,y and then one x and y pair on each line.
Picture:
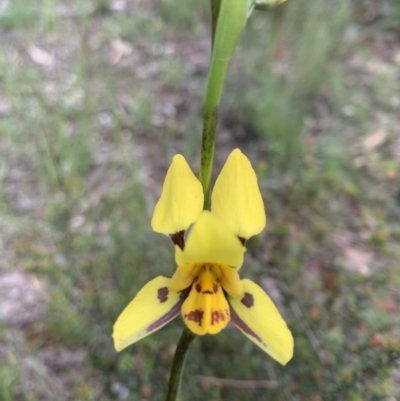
x,y
178,364
228,20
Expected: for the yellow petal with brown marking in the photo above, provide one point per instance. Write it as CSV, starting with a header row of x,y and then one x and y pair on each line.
x,y
257,317
181,200
153,307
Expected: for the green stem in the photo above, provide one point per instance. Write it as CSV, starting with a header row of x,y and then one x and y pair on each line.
x,y
210,121
228,20
215,7
178,364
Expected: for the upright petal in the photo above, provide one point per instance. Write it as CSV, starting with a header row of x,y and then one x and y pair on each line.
x,y
236,198
210,241
257,318
181,200
153,307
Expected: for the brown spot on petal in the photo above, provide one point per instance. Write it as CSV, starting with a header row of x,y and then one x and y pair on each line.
x,y
178,239
198,287
242,240
215,288
162,294
247,300
195,316
218,315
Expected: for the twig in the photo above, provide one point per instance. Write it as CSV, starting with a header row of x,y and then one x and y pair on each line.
x,y
237,383
309,333
283,390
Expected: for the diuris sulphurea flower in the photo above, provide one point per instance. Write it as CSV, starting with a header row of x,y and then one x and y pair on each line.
x,y
206,288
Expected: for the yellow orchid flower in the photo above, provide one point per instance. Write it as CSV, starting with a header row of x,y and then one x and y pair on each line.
x,y
206,288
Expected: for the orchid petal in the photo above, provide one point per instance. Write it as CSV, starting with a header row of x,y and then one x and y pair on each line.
x,y
236,198
256,317
181,200
206,310
230,280
152,308
210,241
183,277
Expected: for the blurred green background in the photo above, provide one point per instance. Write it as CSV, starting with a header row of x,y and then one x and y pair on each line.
x,y
95,99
